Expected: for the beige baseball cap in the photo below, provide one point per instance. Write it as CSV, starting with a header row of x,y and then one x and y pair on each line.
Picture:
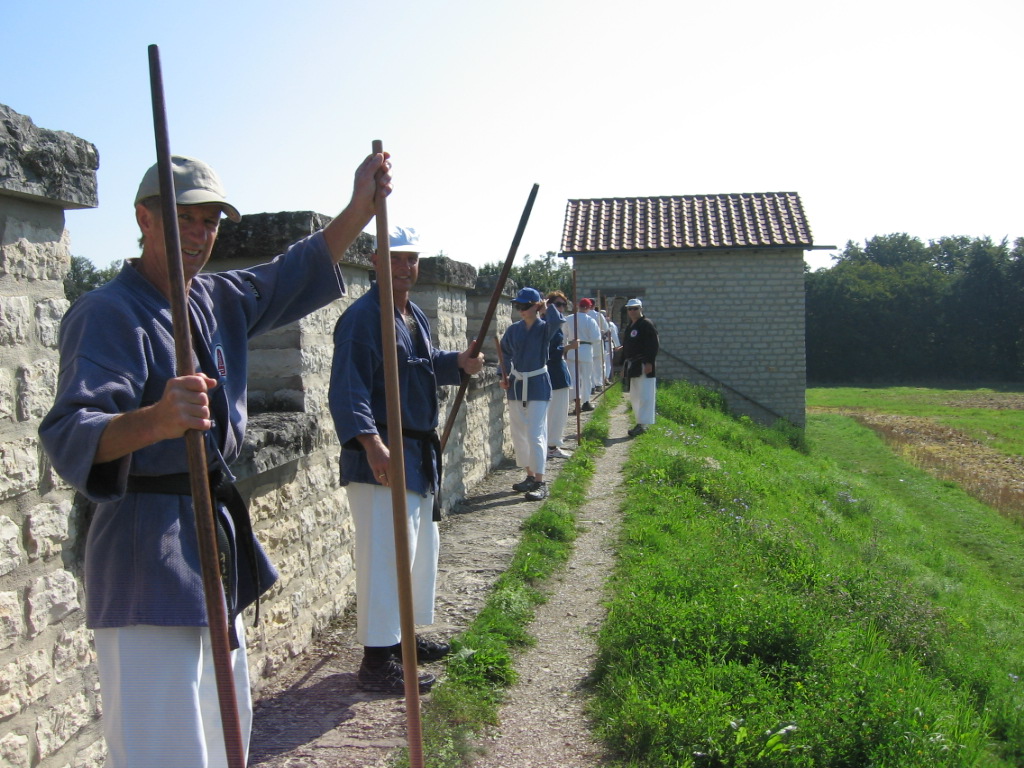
x,y
195,183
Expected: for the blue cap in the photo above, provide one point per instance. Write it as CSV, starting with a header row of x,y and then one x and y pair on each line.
x,y
527,296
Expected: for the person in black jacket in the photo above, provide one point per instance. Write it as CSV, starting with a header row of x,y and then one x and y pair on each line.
x,y
639,349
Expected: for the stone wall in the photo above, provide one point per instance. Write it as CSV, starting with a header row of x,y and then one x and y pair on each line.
x,y
729,320
49,697
49,705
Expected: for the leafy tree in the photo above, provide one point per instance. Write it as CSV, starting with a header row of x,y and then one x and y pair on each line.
x,y
83,277
896,309
546,273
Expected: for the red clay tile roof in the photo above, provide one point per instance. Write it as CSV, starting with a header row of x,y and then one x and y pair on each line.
x,y
758,220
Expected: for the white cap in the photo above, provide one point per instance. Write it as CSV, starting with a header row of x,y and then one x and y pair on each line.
x,y
405,239
634,303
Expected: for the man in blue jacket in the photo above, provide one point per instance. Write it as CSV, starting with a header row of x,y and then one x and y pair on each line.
x,y
115,433
358,404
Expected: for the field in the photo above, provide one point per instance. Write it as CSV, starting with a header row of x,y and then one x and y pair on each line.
x,y
974,438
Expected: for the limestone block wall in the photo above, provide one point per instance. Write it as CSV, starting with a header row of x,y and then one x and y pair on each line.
x,y
730,320
49,707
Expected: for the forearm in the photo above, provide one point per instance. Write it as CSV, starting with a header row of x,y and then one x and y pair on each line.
x,y
344,229
126,433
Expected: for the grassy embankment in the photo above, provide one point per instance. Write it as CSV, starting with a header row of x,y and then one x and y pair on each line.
x,y
773,607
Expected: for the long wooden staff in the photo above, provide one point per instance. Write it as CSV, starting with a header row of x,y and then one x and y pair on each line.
x,y
216,607
576,378
396,473
477,343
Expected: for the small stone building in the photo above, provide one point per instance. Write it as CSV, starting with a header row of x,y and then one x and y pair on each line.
x,y
722,278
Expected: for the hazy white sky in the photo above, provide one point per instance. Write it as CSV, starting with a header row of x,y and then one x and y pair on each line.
x,y
884,115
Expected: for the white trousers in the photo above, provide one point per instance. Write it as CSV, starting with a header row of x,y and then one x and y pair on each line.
x,y
529,427
159,691
641,398
377,616
586,378
597,373
558,416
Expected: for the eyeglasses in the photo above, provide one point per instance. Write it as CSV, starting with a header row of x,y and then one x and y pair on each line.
x,y
519,306
559,303
633,309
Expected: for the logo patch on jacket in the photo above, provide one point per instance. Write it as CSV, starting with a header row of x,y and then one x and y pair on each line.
x,y
253,288
221,362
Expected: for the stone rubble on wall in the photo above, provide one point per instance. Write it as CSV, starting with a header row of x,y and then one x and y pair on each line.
x,y
54,167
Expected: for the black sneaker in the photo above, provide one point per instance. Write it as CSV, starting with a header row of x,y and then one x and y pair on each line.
x,y
426,650
529,484
639,429
387,677
586,407
539,493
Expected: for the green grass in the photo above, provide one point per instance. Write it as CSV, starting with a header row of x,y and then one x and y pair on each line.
x,y
482,666
999,428
829,606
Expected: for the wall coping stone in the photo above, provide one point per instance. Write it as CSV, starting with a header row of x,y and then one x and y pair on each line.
x,y
45,166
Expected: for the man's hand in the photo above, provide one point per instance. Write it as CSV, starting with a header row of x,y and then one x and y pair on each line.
x,y
377,456
469,364
373,177
185,405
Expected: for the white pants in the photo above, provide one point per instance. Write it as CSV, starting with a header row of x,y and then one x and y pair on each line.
x,y
597,373
558,416
159,691
586,378
378,622
529,427
641,398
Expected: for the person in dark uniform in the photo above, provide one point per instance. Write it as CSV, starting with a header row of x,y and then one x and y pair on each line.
x,y
639,349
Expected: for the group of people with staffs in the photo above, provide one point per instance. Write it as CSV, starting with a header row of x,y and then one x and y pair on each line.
x,y
153,374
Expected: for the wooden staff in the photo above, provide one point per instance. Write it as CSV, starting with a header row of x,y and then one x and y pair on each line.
x,y
396,473
216,607
477,343
576,378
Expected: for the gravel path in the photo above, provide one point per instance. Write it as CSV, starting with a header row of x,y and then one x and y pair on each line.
x,y
543,722
314,716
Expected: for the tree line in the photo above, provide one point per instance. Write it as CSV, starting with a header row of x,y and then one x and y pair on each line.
x,y
898,310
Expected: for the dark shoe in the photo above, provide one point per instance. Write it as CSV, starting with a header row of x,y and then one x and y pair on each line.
x,y
426,650
529,484
586,407
539,493
639,429
387,677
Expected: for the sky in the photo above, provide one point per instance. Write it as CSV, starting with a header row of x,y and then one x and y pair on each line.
x,y
883,115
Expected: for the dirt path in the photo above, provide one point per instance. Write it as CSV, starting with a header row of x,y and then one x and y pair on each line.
x,y
314,716
543,720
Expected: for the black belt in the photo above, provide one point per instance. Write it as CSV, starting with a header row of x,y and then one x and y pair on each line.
x,y
224,491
